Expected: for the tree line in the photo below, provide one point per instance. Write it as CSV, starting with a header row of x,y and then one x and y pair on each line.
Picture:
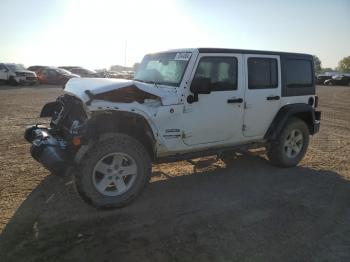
x,y
343,65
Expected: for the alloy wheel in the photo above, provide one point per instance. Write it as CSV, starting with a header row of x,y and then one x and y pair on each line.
x,y
114,174
293,143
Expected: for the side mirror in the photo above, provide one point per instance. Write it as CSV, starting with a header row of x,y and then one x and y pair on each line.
x,y
201,85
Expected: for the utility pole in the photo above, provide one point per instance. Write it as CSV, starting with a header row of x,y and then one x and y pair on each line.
x,y
126,44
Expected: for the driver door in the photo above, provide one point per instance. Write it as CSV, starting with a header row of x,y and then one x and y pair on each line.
x,y
216,117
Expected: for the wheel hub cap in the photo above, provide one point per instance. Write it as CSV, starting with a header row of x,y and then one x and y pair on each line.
x,y
114,174
293,143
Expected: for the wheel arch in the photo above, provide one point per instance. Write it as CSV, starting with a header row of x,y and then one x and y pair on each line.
x,y
302,111
131,124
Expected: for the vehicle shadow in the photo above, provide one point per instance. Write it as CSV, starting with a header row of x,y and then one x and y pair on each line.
x,y
248,210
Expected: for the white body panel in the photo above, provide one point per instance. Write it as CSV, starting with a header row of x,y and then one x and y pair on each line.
x,y
295,99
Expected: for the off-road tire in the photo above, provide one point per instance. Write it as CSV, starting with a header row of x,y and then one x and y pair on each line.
x,y
112,143
276,150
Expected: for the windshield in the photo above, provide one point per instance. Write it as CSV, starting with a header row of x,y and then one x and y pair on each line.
x,y
15,67
163,68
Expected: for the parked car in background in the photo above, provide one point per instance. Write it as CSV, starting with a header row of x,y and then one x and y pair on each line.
x,y
121,74
127,74
112,74
321,78
68,67
340,80
83,72
54,75
16,74
36,68
102,74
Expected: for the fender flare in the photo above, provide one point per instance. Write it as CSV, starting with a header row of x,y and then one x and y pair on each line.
x,y
152,135
285,113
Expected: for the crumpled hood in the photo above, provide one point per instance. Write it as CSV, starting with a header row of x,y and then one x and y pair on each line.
x,y
78,86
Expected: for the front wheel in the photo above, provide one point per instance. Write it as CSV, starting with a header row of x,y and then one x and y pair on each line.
x,y
113,172
13,82
291,145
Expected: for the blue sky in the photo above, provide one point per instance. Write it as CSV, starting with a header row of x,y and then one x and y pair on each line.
x,y
94,33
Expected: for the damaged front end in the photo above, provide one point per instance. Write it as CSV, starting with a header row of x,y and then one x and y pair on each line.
x,y
89,108
55,146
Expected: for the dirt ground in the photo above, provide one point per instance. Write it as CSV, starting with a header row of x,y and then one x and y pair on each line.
x,y
246,211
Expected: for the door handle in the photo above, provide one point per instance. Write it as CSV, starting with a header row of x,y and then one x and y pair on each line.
x,y
235,100
273,98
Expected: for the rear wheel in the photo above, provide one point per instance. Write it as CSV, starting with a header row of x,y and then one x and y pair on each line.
x,y
114,172
291,145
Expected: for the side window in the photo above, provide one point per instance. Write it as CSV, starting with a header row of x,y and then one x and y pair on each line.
x,y
2,67
262,73
298,73
222,72
52,73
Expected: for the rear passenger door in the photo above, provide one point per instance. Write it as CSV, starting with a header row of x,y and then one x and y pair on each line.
x,y
263,93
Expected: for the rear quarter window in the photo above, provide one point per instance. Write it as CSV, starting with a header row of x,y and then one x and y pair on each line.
x,y
298,73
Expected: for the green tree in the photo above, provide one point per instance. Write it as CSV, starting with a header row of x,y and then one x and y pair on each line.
x,y
317,63
344,65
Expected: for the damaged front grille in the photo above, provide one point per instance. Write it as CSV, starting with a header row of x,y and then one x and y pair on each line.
x,y
67,113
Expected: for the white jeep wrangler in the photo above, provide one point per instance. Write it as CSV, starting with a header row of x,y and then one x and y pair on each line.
x,y
181,104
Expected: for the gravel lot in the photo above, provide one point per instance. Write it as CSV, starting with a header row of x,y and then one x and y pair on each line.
x,y
247,211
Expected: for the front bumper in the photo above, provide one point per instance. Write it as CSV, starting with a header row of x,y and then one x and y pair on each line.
x,y
26,79
52,152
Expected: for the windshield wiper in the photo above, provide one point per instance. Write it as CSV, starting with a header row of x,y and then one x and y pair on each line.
x,y
147,82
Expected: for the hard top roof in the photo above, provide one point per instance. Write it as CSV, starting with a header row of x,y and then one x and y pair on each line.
x,y
245,51
229,50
